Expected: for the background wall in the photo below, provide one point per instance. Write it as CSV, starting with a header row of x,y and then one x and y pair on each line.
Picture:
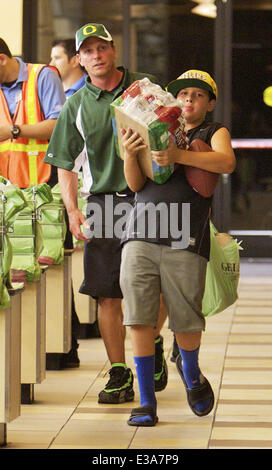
x,y
11,24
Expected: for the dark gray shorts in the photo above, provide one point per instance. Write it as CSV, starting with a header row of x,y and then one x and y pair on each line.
x,y
102,256
148,269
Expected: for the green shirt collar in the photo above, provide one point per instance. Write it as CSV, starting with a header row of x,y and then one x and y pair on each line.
x,y
97,92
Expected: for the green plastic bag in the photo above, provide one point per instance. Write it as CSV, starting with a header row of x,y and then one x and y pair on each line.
x,y
223,273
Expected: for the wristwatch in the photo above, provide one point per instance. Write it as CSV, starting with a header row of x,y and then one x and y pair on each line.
x,y
15,130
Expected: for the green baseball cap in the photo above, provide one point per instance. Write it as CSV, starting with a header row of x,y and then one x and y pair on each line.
x,y
91,30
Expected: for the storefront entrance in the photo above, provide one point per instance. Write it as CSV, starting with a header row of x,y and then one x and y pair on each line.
x,y
232,40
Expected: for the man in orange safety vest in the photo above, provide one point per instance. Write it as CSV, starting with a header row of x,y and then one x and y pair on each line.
x,y
31,97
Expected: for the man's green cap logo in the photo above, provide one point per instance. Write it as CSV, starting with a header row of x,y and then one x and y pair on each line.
x,y
91,30
193,78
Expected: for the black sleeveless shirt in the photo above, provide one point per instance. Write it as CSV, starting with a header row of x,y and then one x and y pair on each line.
x,y
160,214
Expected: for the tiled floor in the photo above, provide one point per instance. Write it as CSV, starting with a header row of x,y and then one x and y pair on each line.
x,y
236,356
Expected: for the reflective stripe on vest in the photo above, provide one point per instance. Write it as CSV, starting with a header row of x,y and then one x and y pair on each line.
x,y
34,148
32,119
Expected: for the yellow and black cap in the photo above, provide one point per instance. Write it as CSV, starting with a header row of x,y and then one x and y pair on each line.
x,y
193,78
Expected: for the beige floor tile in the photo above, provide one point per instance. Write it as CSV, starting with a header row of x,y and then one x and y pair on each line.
x,y
253,319
256,363
258,286
235,356
38,423
261,306
241,410
29,439
239,444
245,420
41,409
250,339
234,394
262,351
88,437
252,433
252,311
151,440
252,328
247,377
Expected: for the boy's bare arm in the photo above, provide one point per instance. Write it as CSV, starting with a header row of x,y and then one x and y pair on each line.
x,y
133,143
221,160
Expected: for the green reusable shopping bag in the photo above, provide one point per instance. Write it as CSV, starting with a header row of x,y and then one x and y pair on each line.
x,y
53,229
5,262
12,203
26,239
223,272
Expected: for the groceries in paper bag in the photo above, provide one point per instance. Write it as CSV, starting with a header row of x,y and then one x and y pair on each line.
x,y
155,114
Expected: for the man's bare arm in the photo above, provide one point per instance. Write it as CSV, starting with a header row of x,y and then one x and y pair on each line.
x,y
68,182
42,130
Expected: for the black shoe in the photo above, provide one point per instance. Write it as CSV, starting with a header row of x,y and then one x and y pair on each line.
x,y
59,361
200,393
71,359
161,370
119,388
175,350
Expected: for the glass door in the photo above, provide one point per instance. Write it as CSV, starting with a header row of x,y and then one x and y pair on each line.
x,y
251,183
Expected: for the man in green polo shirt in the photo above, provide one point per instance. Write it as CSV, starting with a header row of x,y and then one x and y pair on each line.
x,y
84,138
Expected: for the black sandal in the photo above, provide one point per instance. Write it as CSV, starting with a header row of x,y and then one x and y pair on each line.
x,y
197,394
143,411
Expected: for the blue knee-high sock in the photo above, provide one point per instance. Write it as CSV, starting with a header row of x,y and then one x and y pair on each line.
x,y
191,372
145,369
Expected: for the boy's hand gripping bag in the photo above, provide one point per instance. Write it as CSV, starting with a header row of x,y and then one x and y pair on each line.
x,y
223,273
